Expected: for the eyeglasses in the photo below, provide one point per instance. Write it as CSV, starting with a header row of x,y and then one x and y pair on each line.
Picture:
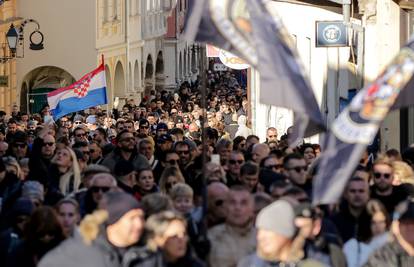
x,y
20,145
172,161
276,166
103,189
185,152
232,161
378,175
299,168
80,135
48,144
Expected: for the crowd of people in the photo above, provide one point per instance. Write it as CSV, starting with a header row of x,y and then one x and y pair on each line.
x,y
132,187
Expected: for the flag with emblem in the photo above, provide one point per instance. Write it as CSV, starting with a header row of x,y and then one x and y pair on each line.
x,y
89,91
251,30
357,125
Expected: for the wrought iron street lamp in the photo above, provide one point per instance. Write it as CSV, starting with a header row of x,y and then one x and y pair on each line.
x,y
12,38
15,41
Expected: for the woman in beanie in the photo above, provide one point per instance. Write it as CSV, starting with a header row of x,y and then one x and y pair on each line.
x,y
64,173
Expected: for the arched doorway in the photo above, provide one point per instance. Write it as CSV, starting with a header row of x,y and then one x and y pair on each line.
x,y
159,72
119,80
40,81
149,75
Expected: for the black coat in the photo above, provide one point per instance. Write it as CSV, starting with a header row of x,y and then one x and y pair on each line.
x,y
141,257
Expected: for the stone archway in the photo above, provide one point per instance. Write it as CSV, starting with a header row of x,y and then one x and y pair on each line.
x,y
40,81
159,72
119,80
149,75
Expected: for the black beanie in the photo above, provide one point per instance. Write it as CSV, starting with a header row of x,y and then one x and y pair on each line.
x,y
117,204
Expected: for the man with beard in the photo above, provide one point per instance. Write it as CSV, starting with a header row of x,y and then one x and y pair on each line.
x,y
126,150
383,189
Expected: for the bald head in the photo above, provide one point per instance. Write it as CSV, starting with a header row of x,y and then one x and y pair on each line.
x,y
259,152
217,189
217,196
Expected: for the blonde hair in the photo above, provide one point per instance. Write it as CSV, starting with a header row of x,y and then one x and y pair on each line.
x,y
181,190
65,179
403,173
170,171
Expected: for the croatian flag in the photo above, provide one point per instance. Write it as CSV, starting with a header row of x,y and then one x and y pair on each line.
x,y
89,91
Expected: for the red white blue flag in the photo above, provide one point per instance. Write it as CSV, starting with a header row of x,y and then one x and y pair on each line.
x,y
89,91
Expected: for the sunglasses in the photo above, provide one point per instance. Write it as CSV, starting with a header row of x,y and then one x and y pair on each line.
x,y
378,175
103,189
20,145
143,127
91,150
299,168
232,161
185,152
276,166
48,144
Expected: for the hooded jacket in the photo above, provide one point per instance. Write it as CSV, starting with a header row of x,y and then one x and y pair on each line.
x,y
243,129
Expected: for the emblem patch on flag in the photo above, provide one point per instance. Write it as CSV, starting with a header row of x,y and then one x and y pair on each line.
x,y
81,88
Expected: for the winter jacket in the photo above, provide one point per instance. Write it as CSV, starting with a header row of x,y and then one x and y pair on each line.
x,y
74,252
139,161
255,261
142,257
392,254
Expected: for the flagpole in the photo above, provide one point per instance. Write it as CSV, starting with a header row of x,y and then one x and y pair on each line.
x,y
203,130
107,104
